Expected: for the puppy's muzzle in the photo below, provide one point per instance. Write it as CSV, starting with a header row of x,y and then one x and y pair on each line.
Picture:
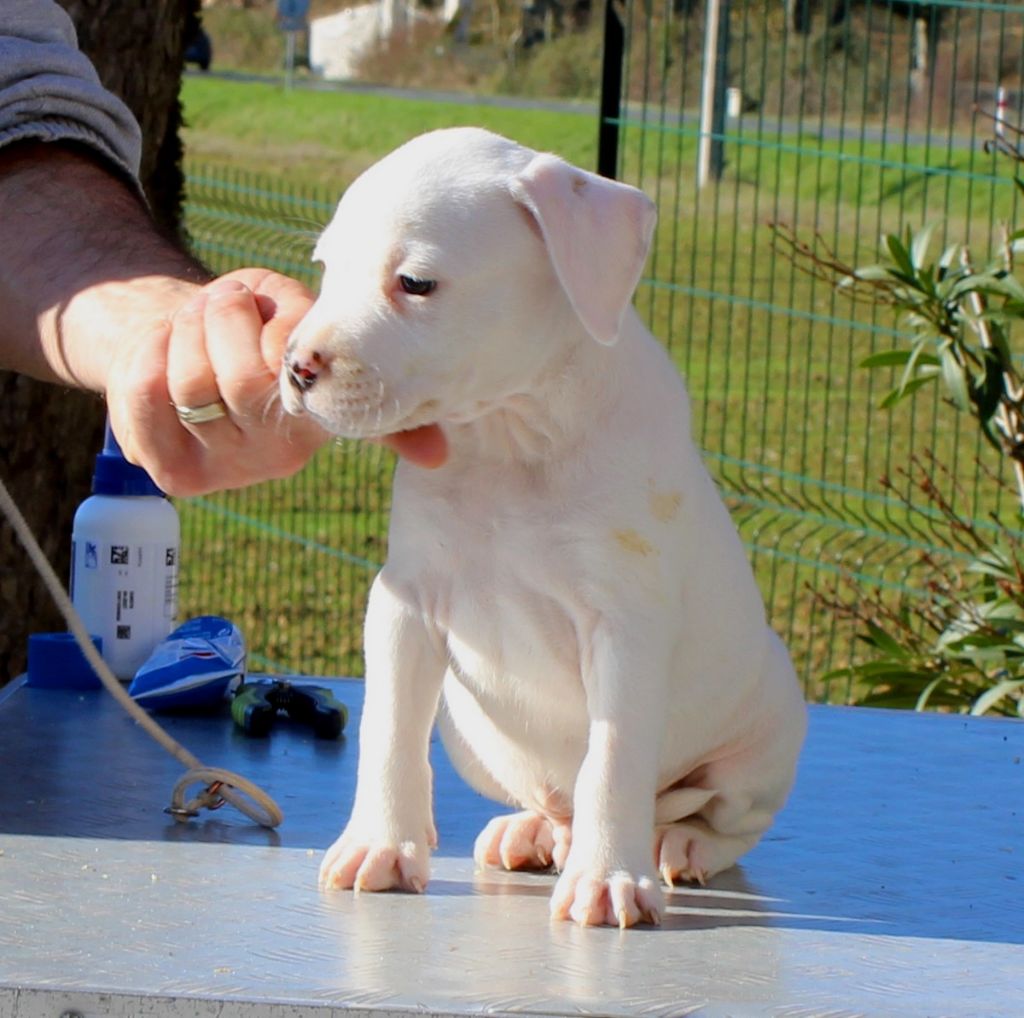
x,y
304,371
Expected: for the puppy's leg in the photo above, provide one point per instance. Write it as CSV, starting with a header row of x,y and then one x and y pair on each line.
x,y
741,799
532,839
609,876
388,837
724,807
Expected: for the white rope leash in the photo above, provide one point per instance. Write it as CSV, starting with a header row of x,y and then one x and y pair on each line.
x,y
221,785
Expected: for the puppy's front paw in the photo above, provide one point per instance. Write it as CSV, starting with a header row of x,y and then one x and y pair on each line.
x,y
369,864
593,896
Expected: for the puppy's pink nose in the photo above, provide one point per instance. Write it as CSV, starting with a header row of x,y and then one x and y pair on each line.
x,y
303,370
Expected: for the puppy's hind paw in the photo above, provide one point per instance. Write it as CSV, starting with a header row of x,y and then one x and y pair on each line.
x,y
363,866
521,841
693,853
618,899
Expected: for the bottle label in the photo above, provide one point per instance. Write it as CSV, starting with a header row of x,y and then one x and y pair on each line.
x,y
128,595
171,585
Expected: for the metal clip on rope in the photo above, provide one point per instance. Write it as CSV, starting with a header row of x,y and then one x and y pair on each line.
x,y
224,786
221,785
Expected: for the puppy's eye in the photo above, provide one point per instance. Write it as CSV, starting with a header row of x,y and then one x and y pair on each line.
x,y
417,287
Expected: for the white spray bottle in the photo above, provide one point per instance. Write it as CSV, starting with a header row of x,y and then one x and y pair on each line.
x,y
125,544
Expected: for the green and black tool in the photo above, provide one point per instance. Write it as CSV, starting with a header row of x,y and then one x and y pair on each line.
x,y
257,705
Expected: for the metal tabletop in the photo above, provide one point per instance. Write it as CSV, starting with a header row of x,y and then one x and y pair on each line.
x,y
891,885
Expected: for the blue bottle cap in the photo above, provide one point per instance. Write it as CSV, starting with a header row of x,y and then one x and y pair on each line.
x,y
55,661
114,475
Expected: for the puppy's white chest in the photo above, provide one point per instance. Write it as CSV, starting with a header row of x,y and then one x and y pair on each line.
x,y
499,584
508,616
514,689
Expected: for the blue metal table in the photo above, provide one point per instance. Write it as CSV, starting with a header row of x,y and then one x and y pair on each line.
x,y
891,885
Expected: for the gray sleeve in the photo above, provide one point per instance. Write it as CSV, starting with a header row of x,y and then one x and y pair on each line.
x,y
49,91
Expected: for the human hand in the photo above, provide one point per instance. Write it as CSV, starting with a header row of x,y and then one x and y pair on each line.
x,y
222,346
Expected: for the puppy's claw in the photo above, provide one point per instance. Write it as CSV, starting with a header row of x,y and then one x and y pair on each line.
x,y
623,919
666,876
652,916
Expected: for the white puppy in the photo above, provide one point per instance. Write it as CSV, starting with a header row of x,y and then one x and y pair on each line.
x,y
568,587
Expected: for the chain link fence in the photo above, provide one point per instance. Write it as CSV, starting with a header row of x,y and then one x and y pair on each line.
x,y
837,122
842,122
289,561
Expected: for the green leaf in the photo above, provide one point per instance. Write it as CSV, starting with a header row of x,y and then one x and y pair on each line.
x,y
905,390
1005,286
993,564
867,274
836,673
890,672
953,376
988,700
885,642
900,256
919,247
921,363
951,256
886,358
926,693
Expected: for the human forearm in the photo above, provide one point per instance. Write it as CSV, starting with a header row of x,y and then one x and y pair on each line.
x,y
82,269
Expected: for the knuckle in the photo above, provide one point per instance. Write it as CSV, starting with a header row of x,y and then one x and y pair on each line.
x,y
190,383
179,480
229,304
229,284
249,391
144,384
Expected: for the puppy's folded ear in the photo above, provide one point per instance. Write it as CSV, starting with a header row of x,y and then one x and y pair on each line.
x,y
597,232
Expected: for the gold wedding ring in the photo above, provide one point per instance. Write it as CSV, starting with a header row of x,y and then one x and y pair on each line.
x,y
201,414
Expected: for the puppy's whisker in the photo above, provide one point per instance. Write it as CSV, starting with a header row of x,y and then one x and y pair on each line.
x,y
271,403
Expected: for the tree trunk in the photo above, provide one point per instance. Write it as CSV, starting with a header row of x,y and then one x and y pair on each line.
x,y
49,436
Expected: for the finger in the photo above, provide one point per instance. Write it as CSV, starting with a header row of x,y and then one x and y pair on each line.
x,y
143,420
233,327
282,307
235,332
282,303
191,378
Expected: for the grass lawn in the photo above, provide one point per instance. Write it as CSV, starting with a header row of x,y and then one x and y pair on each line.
x,y
789,420
326,138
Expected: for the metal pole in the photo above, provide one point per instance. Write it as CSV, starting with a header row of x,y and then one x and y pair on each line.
x,y
711,148
611,92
